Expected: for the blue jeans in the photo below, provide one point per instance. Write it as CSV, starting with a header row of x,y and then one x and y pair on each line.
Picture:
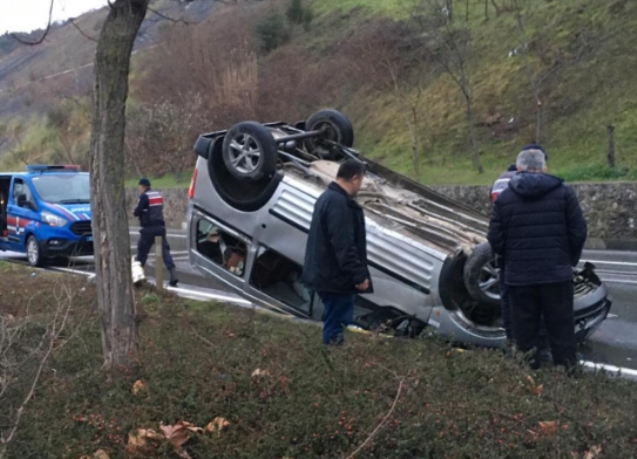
x,y
338,313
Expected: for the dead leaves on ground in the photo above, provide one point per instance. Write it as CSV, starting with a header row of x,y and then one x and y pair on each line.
x,y
178,435
533,388
217,425
259,373
593,453
99,454
138,386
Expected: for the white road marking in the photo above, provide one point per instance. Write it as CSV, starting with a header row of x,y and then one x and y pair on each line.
x,y
604,262
609,368
173,235
209,296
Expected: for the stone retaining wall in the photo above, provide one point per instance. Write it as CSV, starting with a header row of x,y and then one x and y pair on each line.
x,y
610,208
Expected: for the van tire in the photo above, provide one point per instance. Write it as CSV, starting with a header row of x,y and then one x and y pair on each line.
x,y
481,278
245,143
338,128
34,254
243,195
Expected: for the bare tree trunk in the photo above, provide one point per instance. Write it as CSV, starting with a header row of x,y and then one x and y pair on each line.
x,y
610,129
496,7
414,142
486,10
107,166
450,10
466,5
539,120
474,143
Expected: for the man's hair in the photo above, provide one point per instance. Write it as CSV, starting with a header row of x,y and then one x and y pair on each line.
x,y
535,146
350,169
531,161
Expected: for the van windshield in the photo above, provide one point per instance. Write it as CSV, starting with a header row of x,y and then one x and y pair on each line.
x,y
66,188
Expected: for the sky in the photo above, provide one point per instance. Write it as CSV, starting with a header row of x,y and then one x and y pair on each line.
x,y
29,15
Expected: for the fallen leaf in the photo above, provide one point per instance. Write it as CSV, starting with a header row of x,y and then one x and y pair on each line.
x,y
100,454
179,434
594,452
547,428
138,386
260,373
217,425
140,438
537,390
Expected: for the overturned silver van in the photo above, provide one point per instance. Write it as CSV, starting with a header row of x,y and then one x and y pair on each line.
x,y
251,201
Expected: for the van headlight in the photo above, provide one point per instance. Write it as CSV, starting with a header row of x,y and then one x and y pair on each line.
x,y
53,220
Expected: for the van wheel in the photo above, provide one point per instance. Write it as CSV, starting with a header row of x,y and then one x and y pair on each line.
x,y
34,256
336,128
249,151
481,277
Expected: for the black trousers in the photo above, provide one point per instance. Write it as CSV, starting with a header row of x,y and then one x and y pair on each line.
x,y
147,240
553,301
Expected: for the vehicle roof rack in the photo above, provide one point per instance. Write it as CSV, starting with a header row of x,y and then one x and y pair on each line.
x,y
52,167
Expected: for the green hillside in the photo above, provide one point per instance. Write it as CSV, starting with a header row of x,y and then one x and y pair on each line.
x,y
385,63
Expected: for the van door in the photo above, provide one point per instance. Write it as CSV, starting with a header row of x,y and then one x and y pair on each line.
x,y
220,251
5,186
21,210
279,279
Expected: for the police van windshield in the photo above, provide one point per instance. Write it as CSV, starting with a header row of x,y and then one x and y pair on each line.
x,y
67,188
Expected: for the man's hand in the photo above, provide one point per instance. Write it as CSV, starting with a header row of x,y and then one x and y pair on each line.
x,y
363,286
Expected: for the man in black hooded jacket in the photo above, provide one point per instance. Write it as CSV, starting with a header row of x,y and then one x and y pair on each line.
x,y
538,227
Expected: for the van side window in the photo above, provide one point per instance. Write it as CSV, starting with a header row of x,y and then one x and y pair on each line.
x,y
221,248
280,278
19,187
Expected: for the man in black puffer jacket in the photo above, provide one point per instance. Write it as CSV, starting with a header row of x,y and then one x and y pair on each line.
x,y
538,227
336,252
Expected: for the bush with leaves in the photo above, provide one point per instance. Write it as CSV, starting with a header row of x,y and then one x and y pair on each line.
x,y
272,31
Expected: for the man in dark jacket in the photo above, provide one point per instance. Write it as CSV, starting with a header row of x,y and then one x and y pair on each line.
x,y
538,227
501,184
336,252
150,211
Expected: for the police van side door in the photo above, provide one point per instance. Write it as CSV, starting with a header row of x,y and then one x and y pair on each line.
x,y
21,211
5,187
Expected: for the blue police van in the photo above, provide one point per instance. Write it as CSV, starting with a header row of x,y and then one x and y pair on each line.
x,y
45,213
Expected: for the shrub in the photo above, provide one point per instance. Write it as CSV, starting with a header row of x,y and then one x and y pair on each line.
x,y
272,31
295,12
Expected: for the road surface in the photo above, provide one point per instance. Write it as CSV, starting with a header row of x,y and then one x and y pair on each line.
x,y
613,343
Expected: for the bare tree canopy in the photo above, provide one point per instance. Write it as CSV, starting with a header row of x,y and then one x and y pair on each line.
x,y
44,34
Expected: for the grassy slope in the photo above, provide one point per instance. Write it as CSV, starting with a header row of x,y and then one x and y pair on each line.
x,y
196,362
592,93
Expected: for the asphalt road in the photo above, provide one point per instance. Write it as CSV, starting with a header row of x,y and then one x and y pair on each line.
x,y
613,343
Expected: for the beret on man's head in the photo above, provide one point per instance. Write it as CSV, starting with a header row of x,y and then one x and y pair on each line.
x,y
144,182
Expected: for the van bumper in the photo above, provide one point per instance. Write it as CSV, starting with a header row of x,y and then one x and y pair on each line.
x,y
56,247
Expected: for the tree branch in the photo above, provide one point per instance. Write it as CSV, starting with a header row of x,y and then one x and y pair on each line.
x,y
168,18
44,35
84,34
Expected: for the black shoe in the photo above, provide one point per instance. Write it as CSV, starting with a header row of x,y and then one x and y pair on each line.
x,y
173,278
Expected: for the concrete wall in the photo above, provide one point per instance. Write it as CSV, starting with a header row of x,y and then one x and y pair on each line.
x,y
610,208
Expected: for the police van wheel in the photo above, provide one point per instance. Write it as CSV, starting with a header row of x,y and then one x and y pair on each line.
x,y
249,151
336,128
481,277
34,256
